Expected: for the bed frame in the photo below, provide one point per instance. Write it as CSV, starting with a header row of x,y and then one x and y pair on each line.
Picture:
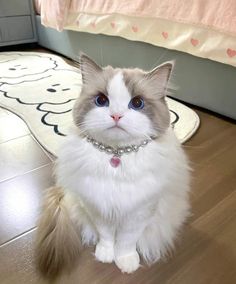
x,y
201,82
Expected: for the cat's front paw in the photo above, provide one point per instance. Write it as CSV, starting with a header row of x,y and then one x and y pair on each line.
x,y
128,263
104,252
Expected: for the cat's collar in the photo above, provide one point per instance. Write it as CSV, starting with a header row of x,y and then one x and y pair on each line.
x,y
119,151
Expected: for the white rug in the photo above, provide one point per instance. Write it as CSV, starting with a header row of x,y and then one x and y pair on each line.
x,y
41,88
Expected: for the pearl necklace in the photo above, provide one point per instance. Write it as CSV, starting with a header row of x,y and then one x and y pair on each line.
x,y
116,152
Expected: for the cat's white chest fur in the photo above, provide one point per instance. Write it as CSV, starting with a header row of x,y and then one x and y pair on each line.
x,y
141,176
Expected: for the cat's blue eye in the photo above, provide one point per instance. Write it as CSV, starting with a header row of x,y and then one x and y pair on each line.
x,y
136,103
101,100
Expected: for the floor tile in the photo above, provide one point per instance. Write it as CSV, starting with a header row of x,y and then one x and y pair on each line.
x,y
20,200
19,156
11,127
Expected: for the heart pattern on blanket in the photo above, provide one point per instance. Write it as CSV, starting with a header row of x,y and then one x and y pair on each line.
x,y
231,52
194,41
93,25
165,34
113,25
135,29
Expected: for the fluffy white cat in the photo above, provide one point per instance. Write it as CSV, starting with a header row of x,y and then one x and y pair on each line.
x,y
122,176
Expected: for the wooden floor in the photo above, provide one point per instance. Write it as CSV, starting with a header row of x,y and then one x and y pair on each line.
x,y
206,252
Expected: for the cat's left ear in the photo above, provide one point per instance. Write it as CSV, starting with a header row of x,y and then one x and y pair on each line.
x,y
159,77
89,69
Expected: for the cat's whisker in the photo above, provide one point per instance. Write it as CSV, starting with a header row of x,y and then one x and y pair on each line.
x,y
82,131
91,124
137,131
92,120
159,129
94,126
159,59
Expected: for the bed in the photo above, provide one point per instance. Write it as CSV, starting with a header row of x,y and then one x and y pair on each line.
x,y
199,35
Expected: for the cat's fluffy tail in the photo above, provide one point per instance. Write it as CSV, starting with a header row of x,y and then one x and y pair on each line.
x,y
58,240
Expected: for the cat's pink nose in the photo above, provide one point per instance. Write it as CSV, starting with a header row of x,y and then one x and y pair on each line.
x,y
116,117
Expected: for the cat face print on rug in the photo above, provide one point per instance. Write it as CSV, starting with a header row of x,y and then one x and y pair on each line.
x,y
52,87
51,98
17,68
122,178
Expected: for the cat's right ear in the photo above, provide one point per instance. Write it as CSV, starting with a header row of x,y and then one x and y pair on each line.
x,y
89,69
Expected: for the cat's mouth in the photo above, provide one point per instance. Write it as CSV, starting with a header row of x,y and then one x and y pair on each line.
x,y
118,127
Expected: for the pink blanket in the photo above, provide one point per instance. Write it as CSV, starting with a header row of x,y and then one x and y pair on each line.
x,y
175,20
218,14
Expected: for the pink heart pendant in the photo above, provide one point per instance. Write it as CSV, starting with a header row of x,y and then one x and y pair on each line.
x,y
115,161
